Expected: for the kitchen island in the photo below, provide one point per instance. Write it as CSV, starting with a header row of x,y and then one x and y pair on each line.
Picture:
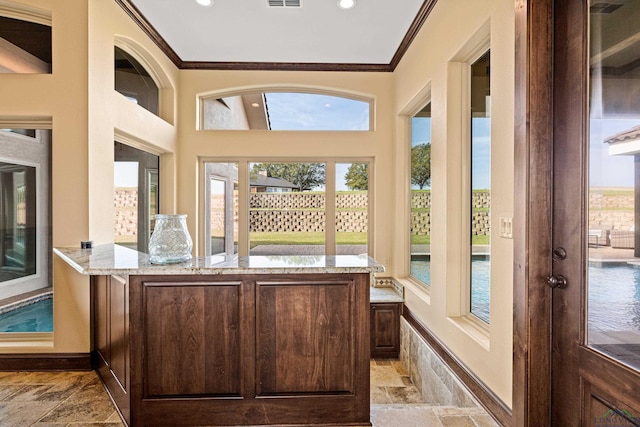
x,y
259,340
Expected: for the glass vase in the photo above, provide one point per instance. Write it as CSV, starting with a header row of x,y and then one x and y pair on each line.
x,y
170,241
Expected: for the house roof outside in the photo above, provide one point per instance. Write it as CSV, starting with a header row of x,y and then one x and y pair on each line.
x,y
269,181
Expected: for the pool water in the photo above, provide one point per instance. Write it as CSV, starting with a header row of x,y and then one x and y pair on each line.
x,y
614,293
614,297
480,291
36,317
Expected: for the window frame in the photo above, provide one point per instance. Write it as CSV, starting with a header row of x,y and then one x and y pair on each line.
x,y
467,193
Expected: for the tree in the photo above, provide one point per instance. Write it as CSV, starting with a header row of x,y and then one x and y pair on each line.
x,y
305,176
421,165
357,176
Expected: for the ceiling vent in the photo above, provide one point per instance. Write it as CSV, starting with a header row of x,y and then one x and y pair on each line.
x,y
284,3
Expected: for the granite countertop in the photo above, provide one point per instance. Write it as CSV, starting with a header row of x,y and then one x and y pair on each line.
x,y
384,295
115,259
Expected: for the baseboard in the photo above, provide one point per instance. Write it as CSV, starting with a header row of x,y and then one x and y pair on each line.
x,y
46,362
492,403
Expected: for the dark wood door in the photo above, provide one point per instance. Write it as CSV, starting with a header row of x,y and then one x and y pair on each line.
x,y
595,343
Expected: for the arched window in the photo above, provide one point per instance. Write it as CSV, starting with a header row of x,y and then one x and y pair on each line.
x,y
282,109
134,82
25,47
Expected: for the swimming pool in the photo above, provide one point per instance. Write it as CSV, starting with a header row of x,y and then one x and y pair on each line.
x,y
481,291
614,297
614,293
35,317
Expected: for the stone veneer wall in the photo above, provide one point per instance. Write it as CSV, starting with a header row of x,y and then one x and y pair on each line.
x,y
431,376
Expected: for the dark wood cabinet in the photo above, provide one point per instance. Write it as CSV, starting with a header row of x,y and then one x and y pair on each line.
x,y
111,336
385,329
190,350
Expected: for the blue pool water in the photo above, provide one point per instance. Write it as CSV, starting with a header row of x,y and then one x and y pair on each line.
x,y
614,293
36,317
614,297
480,289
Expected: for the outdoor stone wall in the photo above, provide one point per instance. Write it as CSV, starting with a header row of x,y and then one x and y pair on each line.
x,y
421,214
273,212
611,207
125,204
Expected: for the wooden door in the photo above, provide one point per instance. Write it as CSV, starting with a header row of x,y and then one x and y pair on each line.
x,y
595,344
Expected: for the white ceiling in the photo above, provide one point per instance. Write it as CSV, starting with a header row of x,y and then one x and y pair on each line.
x,y
250,31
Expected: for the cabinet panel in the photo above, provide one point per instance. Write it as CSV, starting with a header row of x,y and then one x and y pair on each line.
x,y
385,329
118,330
306,337
192,335
101,318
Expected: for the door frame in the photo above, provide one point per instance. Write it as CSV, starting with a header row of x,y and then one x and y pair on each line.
x,y
550,106
533,191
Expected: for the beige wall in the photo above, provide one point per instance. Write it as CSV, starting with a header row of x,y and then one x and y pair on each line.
x,y
88,115
79,100
434,65
228,144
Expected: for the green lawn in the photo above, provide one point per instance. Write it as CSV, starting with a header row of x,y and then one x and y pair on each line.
x,y
299,238
426,240
343,238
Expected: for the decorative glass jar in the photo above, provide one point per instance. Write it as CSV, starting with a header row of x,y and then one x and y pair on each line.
x,y
170,241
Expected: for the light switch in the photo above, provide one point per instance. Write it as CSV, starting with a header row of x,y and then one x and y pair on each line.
x,y
506,227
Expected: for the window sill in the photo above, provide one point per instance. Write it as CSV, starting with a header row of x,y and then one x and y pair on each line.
x,y
475,328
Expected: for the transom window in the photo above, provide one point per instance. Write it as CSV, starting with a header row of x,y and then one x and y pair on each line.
x,y
134,82
285,110
25,47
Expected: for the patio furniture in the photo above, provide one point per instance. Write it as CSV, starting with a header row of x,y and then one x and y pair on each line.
x,y
600,235
622,239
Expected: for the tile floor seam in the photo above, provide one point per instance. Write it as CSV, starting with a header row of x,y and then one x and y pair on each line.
x,y
61,402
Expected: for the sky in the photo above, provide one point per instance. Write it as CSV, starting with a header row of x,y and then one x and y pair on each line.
x,y
481,177
606,170
302,111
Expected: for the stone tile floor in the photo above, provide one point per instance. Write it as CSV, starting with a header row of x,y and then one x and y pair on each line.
x,y
78,399
396,402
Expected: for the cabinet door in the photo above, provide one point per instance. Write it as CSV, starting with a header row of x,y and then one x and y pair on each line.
x,y
385,330
101,318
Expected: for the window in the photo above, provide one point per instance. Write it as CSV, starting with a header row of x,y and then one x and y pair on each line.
x,y
134,82
285,111
420,249
289,208
136,196
287,214
480,194
25,47
25,229
352,213
221,226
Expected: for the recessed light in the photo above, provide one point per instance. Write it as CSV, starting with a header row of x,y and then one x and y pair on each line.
x,y
346,4
205,2
255,105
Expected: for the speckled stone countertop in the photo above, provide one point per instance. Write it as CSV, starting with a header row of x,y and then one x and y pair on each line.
x,y
384,295
115,259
